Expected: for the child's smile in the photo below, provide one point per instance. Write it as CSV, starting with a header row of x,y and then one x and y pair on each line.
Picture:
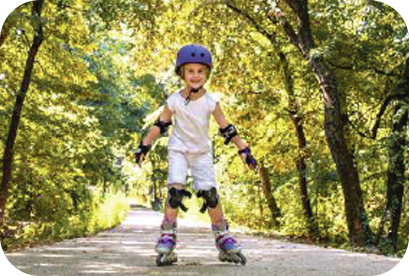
x,y
195,75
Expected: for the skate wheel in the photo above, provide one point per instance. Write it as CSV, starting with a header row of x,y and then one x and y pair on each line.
x,y
237,258
242,258
166,259
159,260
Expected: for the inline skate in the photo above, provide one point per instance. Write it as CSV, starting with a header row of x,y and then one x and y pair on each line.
x,y
229,249
166,244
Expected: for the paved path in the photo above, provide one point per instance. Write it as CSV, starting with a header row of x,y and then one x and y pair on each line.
x,y
128,250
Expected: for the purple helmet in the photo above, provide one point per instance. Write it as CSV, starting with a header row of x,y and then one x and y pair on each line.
x,y
193,53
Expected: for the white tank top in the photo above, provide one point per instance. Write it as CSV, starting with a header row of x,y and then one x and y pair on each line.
x,y
191,122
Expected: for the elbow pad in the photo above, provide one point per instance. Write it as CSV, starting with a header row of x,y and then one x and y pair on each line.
x,y
163,126
228,133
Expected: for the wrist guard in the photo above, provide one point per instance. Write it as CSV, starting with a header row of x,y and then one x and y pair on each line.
x,y
228,133
250,160
142,149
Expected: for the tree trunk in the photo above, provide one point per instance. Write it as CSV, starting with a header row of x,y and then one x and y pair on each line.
x,y
9,149
260,201
271,202
302,144
358,226
396,165
396,173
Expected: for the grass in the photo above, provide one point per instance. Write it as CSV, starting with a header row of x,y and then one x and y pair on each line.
x,y
101,214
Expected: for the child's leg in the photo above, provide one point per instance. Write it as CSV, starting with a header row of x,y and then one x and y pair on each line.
x,y
167,240
205,184
177,179
216,214
171,214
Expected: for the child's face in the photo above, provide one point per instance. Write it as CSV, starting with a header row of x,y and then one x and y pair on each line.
x,y
195,75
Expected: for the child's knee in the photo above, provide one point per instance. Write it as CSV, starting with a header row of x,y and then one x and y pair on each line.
x,y
210,198
177,186
175,197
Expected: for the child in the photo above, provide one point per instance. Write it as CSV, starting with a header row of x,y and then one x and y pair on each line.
x,y
190,147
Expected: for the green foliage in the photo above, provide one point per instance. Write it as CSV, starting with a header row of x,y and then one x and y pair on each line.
x,y
75,123
106,68
93,214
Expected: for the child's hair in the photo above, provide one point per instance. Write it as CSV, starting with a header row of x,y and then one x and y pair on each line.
x,y
182,71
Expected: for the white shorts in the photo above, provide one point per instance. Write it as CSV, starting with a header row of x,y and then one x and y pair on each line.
x,y
200,165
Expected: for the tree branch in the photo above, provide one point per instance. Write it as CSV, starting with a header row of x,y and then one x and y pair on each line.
x,y
292,35
300,8
385,104
379,116
355,128
356,68
270,37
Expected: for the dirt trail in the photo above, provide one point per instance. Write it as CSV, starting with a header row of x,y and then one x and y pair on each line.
x,y
128,250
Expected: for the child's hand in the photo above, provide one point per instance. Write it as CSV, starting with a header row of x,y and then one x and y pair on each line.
x,y
247,158
140,153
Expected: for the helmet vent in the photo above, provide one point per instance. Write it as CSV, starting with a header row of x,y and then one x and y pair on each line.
x,y
193,54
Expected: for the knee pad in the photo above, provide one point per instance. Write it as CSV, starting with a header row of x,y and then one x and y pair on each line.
x,y
210,197
176,196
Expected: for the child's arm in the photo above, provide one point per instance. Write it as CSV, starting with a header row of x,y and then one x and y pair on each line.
x,y
223,123
155,130
225,127
160,126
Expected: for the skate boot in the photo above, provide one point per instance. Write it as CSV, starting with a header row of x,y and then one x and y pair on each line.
x,y
229,249
166,244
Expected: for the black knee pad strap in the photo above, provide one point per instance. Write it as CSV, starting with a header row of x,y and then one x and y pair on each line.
x,y
210,197
176,196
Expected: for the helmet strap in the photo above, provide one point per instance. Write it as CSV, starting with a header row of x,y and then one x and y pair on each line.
x,y
187,99
194,91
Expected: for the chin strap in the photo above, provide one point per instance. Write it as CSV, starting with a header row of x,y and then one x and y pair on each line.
x,y
194,91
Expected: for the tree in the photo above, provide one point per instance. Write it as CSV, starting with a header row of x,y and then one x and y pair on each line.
x,y
358,226
296,117
268,194
15,120
396,164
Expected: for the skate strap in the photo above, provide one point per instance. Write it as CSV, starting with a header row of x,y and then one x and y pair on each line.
x,y
226,238
167,237
220,234
169,232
